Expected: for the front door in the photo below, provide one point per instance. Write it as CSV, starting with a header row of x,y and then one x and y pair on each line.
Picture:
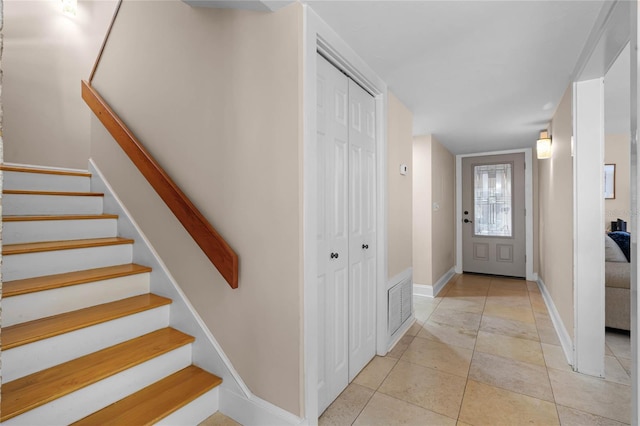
x,y
493,215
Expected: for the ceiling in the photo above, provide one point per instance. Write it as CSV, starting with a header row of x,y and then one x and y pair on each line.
x,y
479,75
617,95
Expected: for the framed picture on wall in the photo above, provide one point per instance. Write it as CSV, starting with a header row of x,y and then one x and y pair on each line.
x,y
609,181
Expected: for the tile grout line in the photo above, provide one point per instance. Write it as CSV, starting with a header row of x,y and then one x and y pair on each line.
x,y
473,352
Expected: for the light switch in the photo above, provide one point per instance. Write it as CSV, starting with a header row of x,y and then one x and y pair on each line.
x,y
404,169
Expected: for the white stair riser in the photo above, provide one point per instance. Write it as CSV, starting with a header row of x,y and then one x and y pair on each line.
x,y
79,404
29,265
30,204
37,356
58,230
195,412
45,182
42,304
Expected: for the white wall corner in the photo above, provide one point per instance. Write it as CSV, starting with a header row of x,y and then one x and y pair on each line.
x,y
439,285
422,290
433,290
561,330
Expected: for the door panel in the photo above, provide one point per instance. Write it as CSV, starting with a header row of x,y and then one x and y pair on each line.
x,y
362,235
493,214
346,231
333,233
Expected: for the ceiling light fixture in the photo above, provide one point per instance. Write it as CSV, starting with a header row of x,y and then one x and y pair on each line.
x,y
70,7
543,146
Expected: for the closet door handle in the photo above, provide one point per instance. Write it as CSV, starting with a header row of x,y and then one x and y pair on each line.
x,y
334,255
365,246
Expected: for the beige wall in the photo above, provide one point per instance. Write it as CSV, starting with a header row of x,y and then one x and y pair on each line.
x,y
443,176
399,200
617,151
434,210
216,96
46,54
422,213
555,214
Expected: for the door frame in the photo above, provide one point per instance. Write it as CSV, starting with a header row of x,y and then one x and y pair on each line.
x,y
528,205
616,25
318,37
609,36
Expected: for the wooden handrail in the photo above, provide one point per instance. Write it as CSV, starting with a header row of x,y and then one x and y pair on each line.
x,y
209,240
104,42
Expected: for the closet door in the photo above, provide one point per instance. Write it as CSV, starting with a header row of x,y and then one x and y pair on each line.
x,y
333,233
362,229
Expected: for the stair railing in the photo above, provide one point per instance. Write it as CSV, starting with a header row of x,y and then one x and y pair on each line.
x,y
204,234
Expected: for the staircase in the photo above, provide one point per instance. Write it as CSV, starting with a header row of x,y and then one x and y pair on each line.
x,y
83,339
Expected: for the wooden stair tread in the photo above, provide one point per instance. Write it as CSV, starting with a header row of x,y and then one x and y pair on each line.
x,y
157,401
32,331
48,282
62,193
58,217
36,389
23,169
10,249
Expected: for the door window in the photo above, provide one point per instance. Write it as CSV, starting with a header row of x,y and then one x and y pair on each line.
x,y
493,215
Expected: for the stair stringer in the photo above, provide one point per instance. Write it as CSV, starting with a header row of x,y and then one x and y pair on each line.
x,y
235,399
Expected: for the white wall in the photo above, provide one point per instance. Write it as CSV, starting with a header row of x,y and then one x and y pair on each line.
x,y
555,214
422,213
443,172
46,54
399,187
434,210
617,151
216,96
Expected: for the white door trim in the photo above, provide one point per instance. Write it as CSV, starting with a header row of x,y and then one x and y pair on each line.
x,y
588,242
528,203
319,37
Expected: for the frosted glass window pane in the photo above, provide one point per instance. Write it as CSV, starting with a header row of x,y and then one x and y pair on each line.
x,y
492,200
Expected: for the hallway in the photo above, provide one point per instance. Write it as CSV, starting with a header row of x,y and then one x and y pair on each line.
x,y
484,353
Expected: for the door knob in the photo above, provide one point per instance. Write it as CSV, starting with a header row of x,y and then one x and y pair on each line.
x,y
466,212
365,246
334,255
468,221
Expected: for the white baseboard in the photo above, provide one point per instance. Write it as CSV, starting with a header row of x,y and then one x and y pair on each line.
x,y
422,290
433,290
561,330
533,277
399,334
255,411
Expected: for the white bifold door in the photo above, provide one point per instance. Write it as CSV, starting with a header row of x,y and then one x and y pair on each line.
x,y
346,230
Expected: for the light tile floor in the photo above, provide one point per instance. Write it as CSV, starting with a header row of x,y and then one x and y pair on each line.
x,y
484,353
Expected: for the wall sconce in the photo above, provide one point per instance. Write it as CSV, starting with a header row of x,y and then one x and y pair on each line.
x,y
70,7
543,146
